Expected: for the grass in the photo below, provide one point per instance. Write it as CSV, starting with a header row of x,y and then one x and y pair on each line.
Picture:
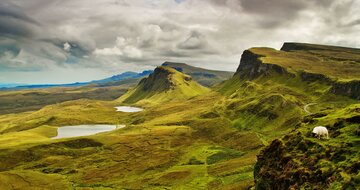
x,y
32,180
36,135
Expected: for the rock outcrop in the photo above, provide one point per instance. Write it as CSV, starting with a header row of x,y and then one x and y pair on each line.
x,y
159,80
350,89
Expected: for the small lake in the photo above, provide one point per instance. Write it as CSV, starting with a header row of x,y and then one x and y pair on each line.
x,y
128,109
84,130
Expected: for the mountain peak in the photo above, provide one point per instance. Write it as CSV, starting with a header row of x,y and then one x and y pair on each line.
x,y
203,76
164,84
164,69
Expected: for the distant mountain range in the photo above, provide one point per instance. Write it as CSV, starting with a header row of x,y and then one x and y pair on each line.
x,y
103,82
204,77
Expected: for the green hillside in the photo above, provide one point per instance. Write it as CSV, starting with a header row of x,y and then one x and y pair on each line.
x,y
323,81
165,84
252,131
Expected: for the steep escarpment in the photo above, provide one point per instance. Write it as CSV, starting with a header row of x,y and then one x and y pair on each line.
x,y
164,84
251,66
337,67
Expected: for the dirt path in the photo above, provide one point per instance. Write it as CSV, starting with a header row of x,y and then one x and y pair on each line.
x,y
307,106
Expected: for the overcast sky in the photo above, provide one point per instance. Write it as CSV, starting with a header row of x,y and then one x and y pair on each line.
x,y
62,41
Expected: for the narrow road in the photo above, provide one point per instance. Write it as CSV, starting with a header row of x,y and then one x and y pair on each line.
x,y
307,106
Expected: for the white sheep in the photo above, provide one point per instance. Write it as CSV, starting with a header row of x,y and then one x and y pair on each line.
x,y
321,131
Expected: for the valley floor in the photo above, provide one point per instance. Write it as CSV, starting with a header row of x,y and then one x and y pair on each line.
x,y
174,145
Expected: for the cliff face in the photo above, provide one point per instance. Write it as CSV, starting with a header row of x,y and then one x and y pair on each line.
x,y
306,62
288,46
159,80
252,67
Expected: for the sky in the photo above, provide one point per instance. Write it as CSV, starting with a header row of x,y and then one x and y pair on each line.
x,y
64,41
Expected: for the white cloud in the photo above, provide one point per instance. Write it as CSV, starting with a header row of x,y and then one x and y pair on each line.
x,y
123,48
67,46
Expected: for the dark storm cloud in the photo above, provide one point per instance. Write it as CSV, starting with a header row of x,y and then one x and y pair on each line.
x,y
111,36
27,45
274,13
14,27
14,23
10,10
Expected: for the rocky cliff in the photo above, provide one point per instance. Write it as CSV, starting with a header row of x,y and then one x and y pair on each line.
x,y
350,89
251,66
159,80
310,63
